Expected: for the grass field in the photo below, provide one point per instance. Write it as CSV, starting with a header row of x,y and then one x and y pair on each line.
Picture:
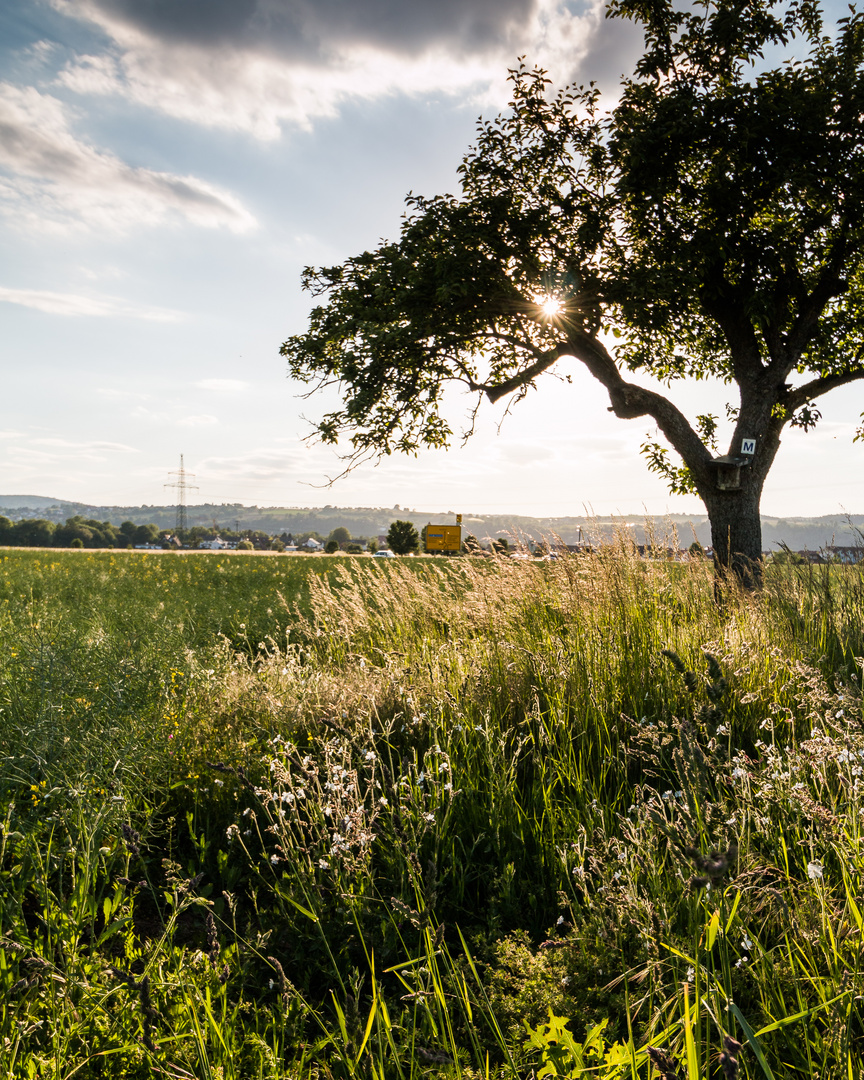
x,y
320,817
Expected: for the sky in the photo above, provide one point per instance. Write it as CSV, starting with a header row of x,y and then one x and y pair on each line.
x,y
167,169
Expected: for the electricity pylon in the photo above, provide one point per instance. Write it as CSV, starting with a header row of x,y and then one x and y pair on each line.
x,y
182,485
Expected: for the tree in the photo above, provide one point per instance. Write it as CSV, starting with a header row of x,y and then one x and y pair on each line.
x,y
402,537
33,532
341,535
710,223
331,547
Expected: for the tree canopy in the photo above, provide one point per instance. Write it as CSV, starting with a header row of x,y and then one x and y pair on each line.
x,y
709,223
402,537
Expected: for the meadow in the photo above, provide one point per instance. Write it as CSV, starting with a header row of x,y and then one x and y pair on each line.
x,y
314,817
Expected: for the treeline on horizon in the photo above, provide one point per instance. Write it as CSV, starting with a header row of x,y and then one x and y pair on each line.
x,y
81,532
76,532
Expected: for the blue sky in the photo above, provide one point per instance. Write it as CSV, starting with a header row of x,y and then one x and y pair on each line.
x,y
167,167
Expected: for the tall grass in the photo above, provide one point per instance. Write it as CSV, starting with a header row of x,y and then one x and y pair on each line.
x,y
441,808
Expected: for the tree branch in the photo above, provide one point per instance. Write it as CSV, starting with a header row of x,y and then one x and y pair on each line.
x,y
546,360
630,401
817,387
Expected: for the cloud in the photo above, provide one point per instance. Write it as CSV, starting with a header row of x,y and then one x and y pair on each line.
x,y
223,386
203,420
257,65
43,451
61,181
55,303
69,446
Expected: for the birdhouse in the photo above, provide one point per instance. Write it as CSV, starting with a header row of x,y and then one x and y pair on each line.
x,y
729,471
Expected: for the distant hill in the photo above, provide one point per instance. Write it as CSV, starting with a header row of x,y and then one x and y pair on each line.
x,y
32,502
797,532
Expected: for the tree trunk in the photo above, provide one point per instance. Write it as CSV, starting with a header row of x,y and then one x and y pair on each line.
x,y
736,533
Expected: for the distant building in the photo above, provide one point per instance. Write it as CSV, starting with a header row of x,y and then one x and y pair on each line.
x,y
846,554
313,544
216,544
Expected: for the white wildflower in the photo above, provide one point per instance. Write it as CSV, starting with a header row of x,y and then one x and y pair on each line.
x,y
814,870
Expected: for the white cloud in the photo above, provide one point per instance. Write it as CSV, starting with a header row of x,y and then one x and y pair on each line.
x,y
48,451
223,386
55,303
60,181
69,446
285,64
203,420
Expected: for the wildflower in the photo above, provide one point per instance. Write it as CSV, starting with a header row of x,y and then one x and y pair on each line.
x,y
219,783
274,859
232,831
814,870
369,755
742,961
691,974
383,801
723,729
324,864
429,819
746,943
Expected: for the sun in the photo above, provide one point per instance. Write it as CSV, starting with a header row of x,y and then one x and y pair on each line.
x,y
550,306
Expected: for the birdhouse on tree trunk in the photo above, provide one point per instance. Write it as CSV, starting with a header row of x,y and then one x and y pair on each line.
x,y
729,466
